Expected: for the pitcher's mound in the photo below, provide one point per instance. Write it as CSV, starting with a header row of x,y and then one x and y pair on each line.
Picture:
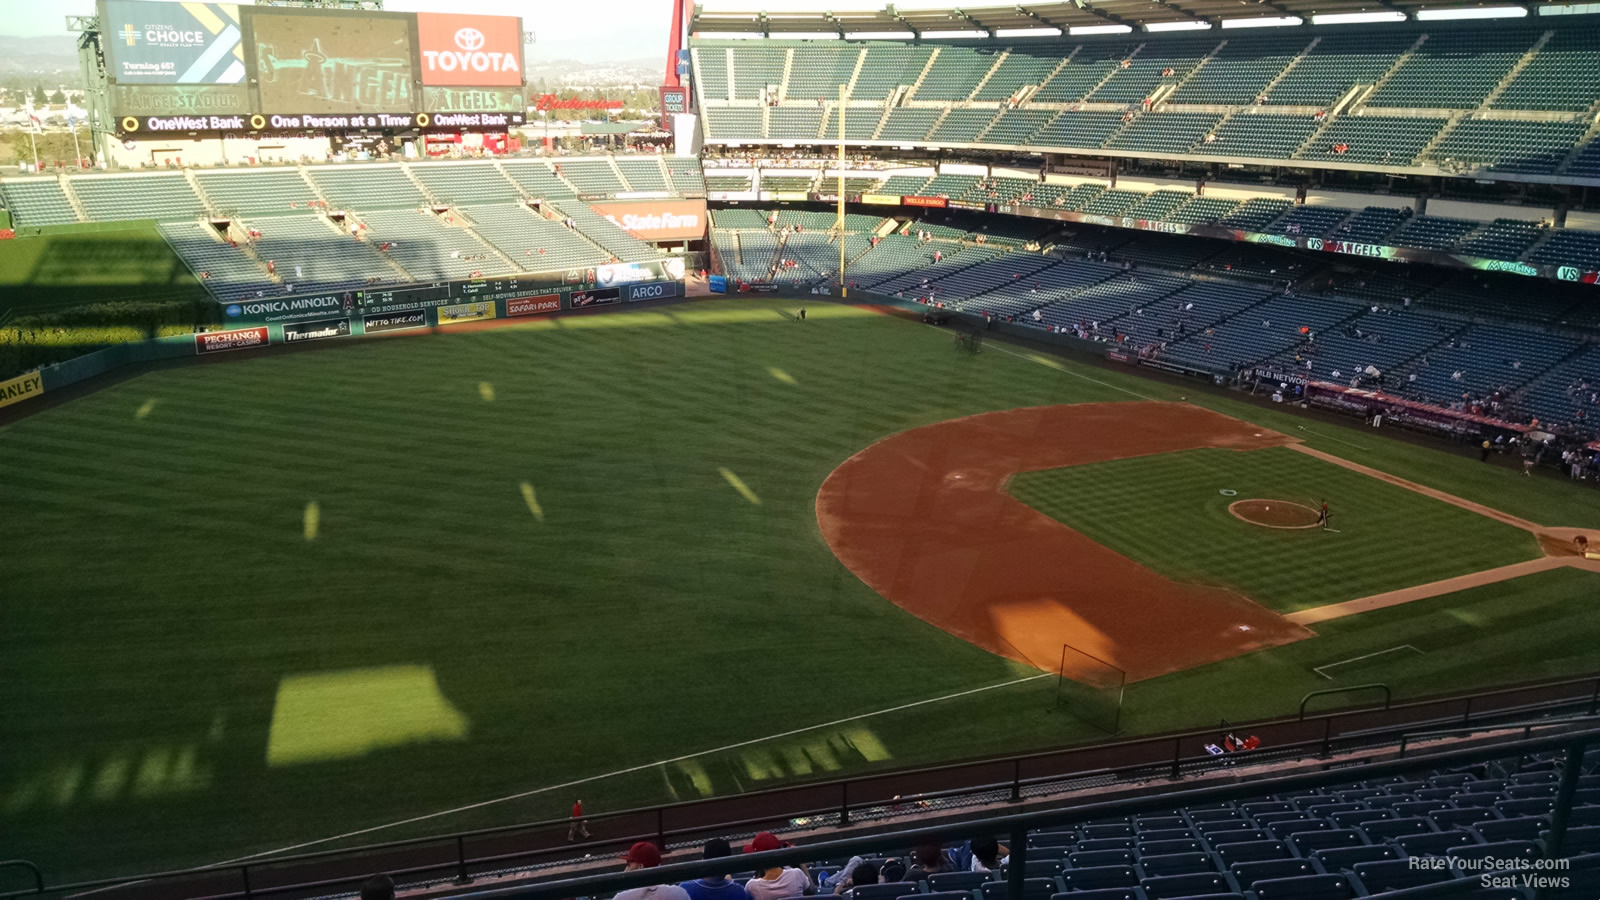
x,y
1274,513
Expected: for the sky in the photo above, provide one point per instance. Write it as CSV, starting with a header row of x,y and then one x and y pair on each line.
x,y
594,31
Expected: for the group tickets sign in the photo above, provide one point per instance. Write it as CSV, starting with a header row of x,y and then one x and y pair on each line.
x,y
658,220
464,50
173,43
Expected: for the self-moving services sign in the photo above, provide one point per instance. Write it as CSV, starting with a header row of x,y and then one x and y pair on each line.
x,y
173,43
476,51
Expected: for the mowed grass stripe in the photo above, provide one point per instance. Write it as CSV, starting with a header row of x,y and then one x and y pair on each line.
x,y
165,626
1168,512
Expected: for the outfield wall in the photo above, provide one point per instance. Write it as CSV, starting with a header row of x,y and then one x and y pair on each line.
x,y
450,302
298,320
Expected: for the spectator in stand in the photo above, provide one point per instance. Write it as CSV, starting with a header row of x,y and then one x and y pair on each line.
x,y
645,855
856,873
777,882
988,855
930,859
718,887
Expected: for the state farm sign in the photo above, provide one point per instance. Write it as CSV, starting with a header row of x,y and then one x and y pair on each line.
x,y
658,220
463,50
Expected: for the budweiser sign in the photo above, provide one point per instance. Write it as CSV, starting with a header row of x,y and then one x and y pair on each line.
x,y
550,101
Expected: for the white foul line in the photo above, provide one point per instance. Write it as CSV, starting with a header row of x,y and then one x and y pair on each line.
x,y
651,765
1318,669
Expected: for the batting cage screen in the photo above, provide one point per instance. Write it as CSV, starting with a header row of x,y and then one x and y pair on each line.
x,y
1090,689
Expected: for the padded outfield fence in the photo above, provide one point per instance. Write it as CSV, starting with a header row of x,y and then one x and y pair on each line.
x,y
1389,729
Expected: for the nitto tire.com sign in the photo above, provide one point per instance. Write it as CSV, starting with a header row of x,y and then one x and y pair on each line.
x,y
173,43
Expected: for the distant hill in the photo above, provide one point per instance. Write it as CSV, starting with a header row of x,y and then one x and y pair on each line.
x,y
48,54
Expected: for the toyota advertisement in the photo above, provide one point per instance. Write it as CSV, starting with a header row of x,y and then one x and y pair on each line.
x,y
172,43
657,220
469,51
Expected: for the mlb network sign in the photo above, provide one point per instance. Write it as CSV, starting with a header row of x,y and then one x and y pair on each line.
x,y
465,50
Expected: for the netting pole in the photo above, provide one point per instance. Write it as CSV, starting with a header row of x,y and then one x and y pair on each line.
x,y
1061,675
844,287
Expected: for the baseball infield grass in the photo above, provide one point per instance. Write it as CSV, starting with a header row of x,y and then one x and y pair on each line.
x,y
1380,536
274,600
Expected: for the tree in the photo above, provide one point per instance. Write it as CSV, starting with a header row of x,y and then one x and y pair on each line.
x,y
58,97
38,95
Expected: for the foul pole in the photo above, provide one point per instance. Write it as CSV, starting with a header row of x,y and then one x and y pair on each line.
x,y
844,290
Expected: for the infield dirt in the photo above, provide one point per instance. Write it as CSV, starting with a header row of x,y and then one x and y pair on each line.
x,y
924,518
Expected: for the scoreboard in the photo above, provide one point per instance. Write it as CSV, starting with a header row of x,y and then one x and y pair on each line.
x,y
223,67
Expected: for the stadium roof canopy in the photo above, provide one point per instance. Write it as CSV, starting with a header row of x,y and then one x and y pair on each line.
x,y
843,18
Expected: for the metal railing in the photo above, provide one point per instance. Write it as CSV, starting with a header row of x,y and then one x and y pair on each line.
x,y
1572,746
853,802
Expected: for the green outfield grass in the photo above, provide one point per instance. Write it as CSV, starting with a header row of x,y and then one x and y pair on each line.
x,y
1169,513
76,265
274,600
75,289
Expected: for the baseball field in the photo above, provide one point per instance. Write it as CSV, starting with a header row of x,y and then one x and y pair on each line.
x,y
327,597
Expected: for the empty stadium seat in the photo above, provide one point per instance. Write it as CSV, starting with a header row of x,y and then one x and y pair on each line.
x,y
1156,864
888,891
1081,859
1433,844
1094,877
1248,873
1169,887
952,882
1306,887
1251,851
1397,874
1032,889
1346,857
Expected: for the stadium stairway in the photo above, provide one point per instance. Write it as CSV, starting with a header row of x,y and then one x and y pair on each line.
x,y
416,182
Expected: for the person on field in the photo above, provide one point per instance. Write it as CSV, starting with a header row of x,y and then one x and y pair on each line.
x,y
645,855
715,887
1322,515
1483,455
580,826
776,882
